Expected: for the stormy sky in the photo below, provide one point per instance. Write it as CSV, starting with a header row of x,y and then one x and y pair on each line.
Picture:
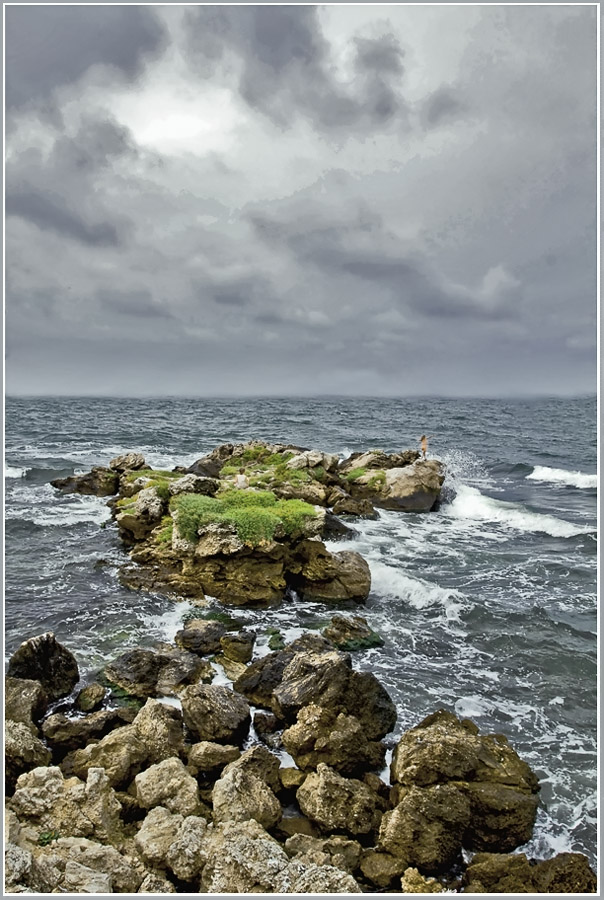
x,y
369,200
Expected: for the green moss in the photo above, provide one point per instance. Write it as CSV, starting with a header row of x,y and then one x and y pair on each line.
x,y
377,481
276,641
354,474
154,474
165,535
372,640
229,470
47,837
256,515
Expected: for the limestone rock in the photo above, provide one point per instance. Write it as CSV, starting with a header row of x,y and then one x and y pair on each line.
x,y
335,851
201,636
120,753
138,520
23,751
214,713
339,803
159,729
263,676
330,576
17,864
168,784
194,484
336,740
185,853
427,827
157,834
241,858
303,878
381,868
99,482
154,884
378,459
414,488
44,659
568,873
64,734
126,872
495,873
144,673
238,647
502,819
90,697
414,883
128,462
239,796
207,756
79,879
349,506
260,762
351,633
25,701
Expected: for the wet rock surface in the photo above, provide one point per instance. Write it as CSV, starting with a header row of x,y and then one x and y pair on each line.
x,y
44,659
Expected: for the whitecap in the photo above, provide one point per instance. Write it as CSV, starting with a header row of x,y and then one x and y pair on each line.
x,y
564,476
470,504
15,471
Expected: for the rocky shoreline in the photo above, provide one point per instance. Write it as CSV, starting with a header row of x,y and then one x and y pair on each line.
x,y
204,766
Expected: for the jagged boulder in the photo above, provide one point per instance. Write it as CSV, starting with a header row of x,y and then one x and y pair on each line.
x,y
64,734
259,762
44,659
214,713
194,484
414,488
137,520
156,835
338,803
240,795
500,787
338,740
128,462
99,482
263,676
427,827
413,882
207,756
378,459
513,873
90,697
150,673
351,633
321,575
25,701
337,851
22,751
201,636
349,506
381,868
238,647
168,784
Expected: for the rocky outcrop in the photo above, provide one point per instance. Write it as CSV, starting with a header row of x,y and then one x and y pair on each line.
x,y
44,659
99,482
127,462
351,633
338,803
214,713
22,751
320,575
412,488
25,700
137,520
500,788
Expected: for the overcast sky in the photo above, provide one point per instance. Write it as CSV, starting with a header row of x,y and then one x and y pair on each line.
x,y
301,199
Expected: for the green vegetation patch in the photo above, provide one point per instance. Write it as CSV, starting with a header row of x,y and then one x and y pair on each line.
x,y
256,515
354,474
153,474
377,481
47,837
167,528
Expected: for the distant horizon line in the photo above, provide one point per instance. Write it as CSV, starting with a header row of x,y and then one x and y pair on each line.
x,y
302,396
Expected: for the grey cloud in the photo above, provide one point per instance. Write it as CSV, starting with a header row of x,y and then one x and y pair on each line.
x,y
139,303
288,70
97,144
443,105
48,211
48,46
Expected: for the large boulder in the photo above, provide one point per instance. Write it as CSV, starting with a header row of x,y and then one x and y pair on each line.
x,y
338,803
513,873
338,740
427,827
22,751
25,701
321,575
263,676
500,787
238,647
414,488
127,462
214,713
99,482
148,673
207,756
194,484
351,633
64,734
201,636
335,851
44,659
378,459
138,519
168,784
240,795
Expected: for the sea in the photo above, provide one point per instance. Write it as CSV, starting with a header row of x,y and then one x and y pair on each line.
x,y
487,607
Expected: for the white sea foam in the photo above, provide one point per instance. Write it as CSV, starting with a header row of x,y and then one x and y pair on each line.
x,y
75,510
471,504
168,622
563,476
392,582
15,471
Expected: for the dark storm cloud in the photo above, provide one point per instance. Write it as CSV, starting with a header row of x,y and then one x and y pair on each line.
x,y
288,69
48,211
50,46
97,144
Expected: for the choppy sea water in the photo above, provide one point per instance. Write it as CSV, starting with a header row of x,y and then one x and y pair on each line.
x,y
487,607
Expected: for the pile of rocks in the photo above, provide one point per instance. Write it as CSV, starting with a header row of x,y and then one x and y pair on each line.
x,y
192,795
218,562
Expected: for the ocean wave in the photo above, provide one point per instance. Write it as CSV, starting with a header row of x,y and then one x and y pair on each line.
x,y
388,581
470,504
564,476
15,471
76,512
